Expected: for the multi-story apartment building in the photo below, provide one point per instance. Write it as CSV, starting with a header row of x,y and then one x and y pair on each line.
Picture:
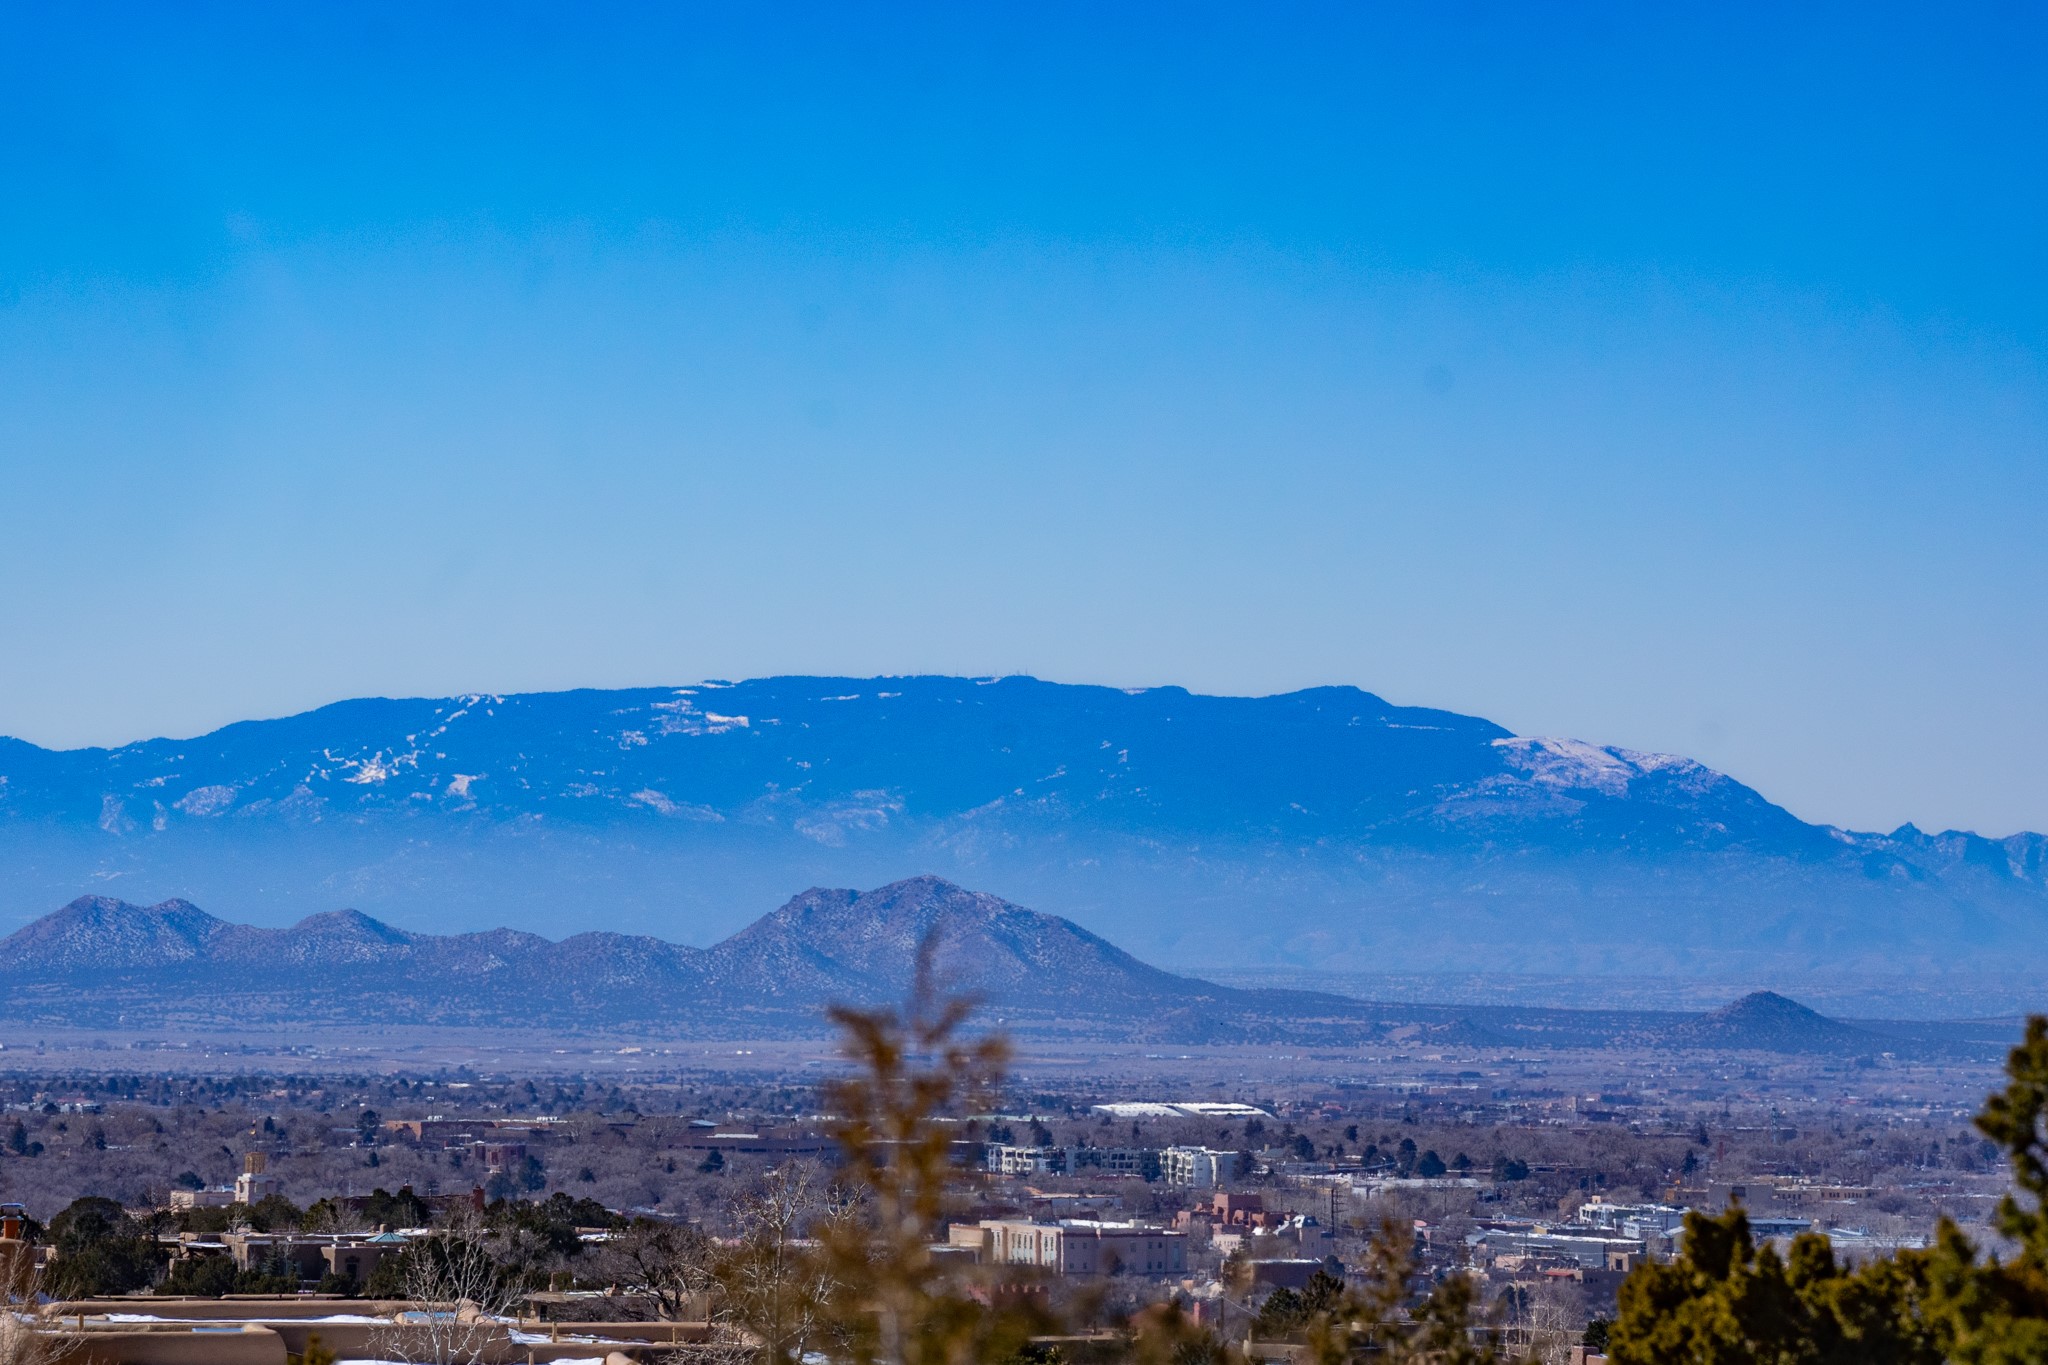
x,y
1198,1168
1001,1159
1135,1162
1140,1163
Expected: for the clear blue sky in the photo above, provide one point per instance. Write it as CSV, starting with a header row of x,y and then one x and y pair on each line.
x,y
1657,376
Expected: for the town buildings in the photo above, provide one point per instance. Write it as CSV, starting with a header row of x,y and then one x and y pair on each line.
x,y
1139,1163
252,1186
1076,1246
1197,1168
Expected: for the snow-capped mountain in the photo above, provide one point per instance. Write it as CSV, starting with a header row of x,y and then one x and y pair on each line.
x,y
1323,827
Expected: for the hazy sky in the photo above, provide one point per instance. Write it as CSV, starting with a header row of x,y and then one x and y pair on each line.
x,y
1658,377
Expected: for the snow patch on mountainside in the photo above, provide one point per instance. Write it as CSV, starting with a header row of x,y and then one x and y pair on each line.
x,y
865,812
1178,818
1574,765
210,800
683,717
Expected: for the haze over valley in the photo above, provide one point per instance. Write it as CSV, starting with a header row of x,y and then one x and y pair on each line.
x,y
1325,829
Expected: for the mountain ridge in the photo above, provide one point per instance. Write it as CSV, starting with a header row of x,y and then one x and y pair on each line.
x,y
98,963
1309,827
823,946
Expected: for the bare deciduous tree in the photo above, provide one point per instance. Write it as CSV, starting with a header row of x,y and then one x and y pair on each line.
x,y
457,1296
778,1286
674,1262
30,1333
1554,1318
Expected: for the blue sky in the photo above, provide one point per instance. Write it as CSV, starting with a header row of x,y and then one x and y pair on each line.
x,y
1663,377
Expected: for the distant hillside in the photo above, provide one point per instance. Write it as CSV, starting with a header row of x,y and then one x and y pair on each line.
x,y
118,962
1326,827
849,945
107,964
1767,1022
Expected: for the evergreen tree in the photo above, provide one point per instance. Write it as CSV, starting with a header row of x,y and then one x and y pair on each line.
x,y
1725,1302
99,1250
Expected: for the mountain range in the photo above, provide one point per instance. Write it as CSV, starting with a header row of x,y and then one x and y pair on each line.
x,y
1321,828
101,962
104,963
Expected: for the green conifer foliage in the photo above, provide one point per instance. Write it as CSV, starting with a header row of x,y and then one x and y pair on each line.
x,y
1725,1302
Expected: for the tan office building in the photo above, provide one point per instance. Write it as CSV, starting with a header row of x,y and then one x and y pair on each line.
x,y
1085,1248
